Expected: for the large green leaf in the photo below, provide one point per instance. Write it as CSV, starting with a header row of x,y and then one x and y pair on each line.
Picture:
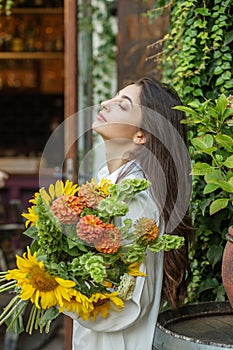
x,y
218,204
224,185
222,103
225,141
202,169
229,162
210,188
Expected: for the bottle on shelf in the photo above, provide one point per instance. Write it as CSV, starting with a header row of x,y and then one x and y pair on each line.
x,y
48,38
30,43
22,3
38,3
17,43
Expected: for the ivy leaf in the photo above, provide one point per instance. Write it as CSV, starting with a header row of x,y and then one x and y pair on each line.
x,y
218,70
229,162
218,204
202,169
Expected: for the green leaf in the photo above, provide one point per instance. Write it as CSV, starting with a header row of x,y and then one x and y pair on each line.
x,y
229,162
218,70
228,38
210,188
225,141
216,174
203,142
218,204
214,254
222,102
31,232
49,315
224,185
228,112
209,283
187,110
202,169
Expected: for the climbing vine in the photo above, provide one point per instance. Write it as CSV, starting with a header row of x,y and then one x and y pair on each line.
x,y
197,52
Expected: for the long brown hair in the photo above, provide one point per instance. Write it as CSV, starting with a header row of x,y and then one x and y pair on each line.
x,y
166,162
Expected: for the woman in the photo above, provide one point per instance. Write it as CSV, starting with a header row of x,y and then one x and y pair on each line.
x,y
143,137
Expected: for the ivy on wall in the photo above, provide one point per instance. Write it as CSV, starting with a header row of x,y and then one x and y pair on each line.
x,y
197,53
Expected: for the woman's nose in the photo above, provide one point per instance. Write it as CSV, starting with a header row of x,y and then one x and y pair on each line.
x,y
106,105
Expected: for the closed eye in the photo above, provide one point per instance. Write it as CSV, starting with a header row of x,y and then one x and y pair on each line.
x,y
124,104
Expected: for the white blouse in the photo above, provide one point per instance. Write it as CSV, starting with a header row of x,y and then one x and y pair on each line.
x,y
133,327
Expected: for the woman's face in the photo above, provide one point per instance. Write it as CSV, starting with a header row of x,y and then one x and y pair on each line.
x,y
120,117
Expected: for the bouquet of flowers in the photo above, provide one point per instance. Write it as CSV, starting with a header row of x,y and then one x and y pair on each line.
x,y
79,259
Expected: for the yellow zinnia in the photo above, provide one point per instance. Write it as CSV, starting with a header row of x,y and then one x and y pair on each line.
x,y
103,302
37,285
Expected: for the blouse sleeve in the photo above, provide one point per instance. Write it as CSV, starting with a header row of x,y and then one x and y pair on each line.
x,y
146,289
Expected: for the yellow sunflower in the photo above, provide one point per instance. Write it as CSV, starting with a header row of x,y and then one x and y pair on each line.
x,y
31,216
133,270
103,302
103,187
58,190
37,285
78,303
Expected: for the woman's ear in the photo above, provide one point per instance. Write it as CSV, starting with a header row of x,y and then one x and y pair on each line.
x,y
139,138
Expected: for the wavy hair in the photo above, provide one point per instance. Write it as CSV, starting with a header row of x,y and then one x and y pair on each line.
x,y
165,160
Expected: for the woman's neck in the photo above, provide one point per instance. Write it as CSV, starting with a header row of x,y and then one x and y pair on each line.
x,y
116,156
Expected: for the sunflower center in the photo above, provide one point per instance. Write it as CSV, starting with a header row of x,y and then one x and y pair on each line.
x,y
42,280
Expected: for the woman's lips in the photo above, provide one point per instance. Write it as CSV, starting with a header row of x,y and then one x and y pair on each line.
x,y
101,117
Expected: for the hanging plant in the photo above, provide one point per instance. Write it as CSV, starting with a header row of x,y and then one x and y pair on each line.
x,y
6,5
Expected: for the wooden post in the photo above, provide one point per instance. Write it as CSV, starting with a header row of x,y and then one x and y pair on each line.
x,y
70,108
70,81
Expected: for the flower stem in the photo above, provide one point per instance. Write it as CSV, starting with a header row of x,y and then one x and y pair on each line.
x,y
41,327
7,286
17,315
33,319
47,327
29,319
3,273
5,315
38,318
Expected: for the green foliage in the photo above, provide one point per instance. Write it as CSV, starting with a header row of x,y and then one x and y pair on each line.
x,y
212,203
197,57
197,61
